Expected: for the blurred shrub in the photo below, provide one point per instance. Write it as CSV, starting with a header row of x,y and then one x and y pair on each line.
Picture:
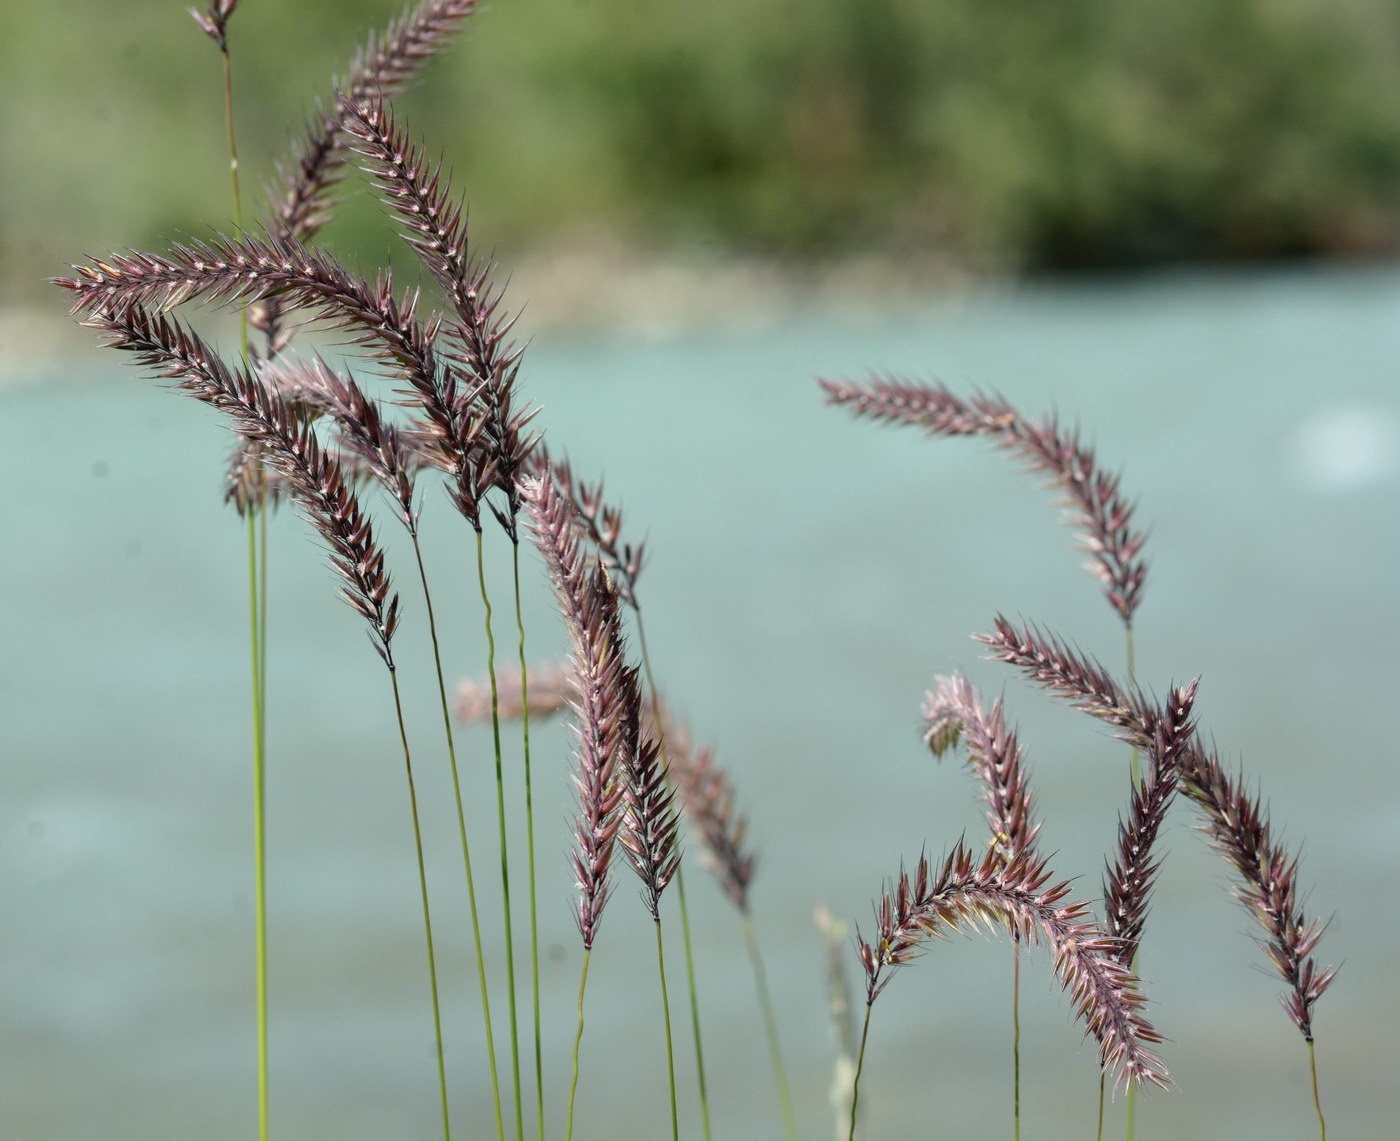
x,y
1078,132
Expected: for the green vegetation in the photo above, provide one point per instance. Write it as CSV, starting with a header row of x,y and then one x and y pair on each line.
x,y
1051,135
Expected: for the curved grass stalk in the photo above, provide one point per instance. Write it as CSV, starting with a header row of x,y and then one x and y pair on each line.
x,y
466,849
680,888
670,1053
1130,1128
529,839
1317,1103
770,1023
257,615
427,914
578,1038
501,820
860,1066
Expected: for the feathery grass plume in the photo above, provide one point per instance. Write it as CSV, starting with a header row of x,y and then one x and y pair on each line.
x,y
386,65
1239,829
384,326
1096,505
589,605
590,608
706,790
649,822
707,797
478,340
967,893
599,521
952,711
363,430
1128,881
382,454
434,223
291,447
547,689
1238,826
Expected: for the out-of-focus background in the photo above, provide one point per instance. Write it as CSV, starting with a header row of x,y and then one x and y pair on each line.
x,y
1175,223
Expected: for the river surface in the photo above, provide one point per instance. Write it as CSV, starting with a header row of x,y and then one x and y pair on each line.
x,y
808,575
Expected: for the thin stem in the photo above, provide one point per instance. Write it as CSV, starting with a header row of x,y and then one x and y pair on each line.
x,y
1016,1039
257,615
1098,1136
578,1037
462,830
530,842
670,1053
775,1049
680,889
1131,1125
1317,1103
690,981
501,819
427,916
259,827
860,1066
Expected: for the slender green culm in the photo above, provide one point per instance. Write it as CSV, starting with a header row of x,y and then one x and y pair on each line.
x,y
860,1067
257,621
691,989
501,820
680,889
259,826
666,1013
770,1023
427,913
466,848
1317,1101
1016,1040
530,843
1130,1128
578,1038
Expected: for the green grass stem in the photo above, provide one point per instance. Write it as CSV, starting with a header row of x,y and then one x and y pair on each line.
x,y
1016,1040
684,907
501,819
578,1038
466,848
257,620
1130,1128
259,824
1317,1101
860,1067
530,843
770,1023
666,1013
427,914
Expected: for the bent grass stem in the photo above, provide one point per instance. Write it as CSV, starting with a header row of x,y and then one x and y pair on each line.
x,y
860,1066
529,839
770,1022
670,1053
466,850
680,888
427,915
257,617
501,819
1317,1103
578,1038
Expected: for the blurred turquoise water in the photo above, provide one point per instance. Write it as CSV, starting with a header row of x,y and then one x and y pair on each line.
x,y
808,575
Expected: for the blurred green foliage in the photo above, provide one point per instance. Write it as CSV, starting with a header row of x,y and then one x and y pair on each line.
x,y
1048,133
